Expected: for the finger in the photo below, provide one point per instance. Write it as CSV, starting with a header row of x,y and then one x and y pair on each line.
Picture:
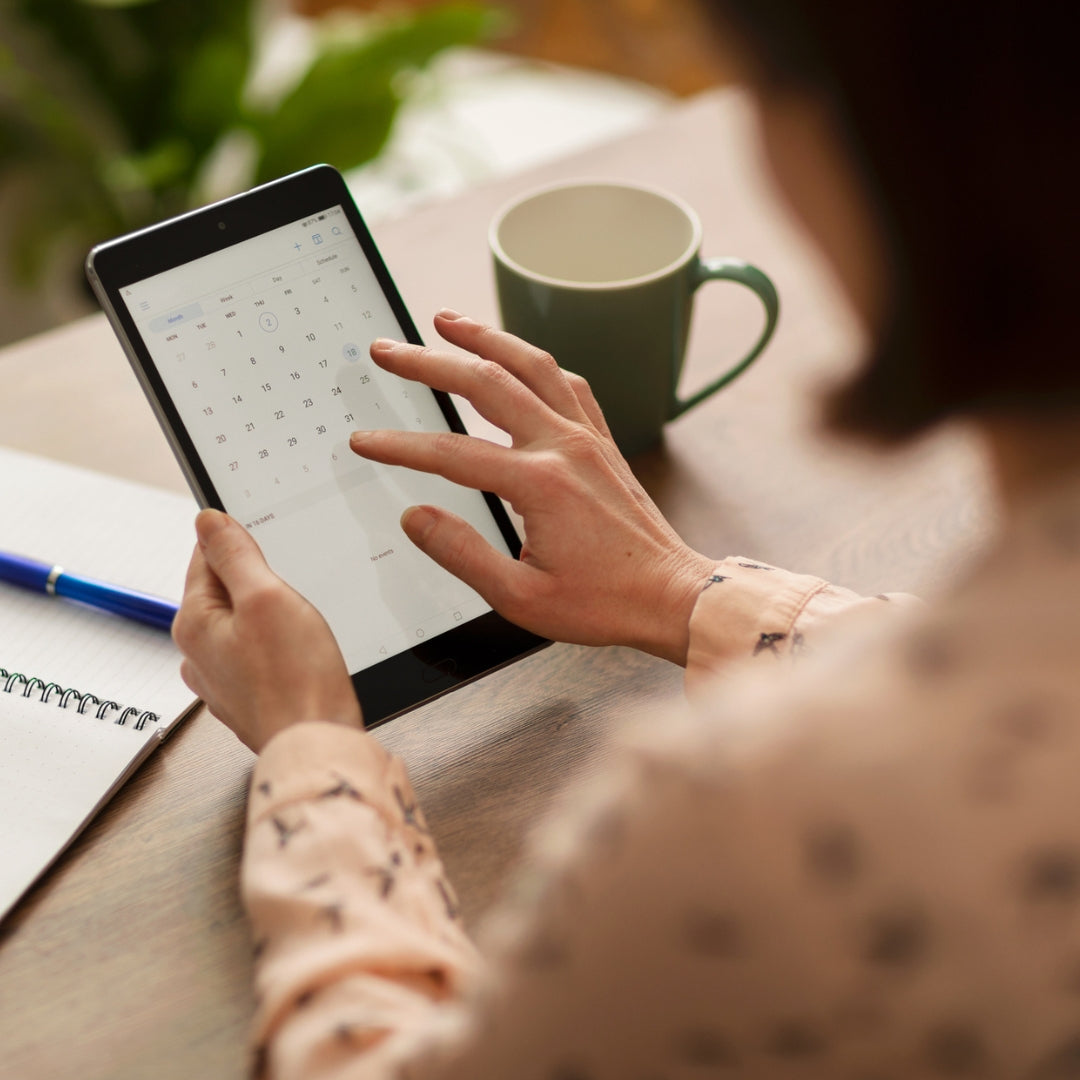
x,y
589,404
538,370
493,391
463,459
232,555
190,674
203,596
201,585
457,547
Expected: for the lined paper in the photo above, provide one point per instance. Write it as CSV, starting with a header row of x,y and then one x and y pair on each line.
x,y
58,767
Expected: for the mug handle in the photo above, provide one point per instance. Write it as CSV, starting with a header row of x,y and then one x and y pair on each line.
x,y
752,278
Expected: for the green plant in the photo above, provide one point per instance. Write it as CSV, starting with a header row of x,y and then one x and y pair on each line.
x,y
111,110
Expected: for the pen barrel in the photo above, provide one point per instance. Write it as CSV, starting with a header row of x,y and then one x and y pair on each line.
x,y
27,573
141,607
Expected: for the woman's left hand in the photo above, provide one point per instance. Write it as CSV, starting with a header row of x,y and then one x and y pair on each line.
x,y
259,655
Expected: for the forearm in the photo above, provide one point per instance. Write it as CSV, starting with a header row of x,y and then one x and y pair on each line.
x,y
357,937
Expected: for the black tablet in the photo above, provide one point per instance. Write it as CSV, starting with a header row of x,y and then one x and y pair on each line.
x,y
248,325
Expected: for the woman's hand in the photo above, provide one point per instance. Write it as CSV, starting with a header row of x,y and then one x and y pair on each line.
x,y
599,565
255,651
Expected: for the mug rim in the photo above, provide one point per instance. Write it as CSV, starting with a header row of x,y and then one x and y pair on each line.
x,y
614,284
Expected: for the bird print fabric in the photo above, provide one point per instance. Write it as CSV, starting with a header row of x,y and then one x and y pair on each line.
x,y
853,853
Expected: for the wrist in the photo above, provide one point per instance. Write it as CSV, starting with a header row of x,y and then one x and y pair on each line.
x,y
266,724
300,727
669,622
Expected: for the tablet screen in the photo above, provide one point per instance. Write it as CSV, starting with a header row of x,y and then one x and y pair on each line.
x,y
263,348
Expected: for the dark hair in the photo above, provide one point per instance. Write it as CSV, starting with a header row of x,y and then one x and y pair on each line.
x,y
962,119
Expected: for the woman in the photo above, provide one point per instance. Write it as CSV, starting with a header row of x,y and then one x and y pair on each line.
x,y
867,868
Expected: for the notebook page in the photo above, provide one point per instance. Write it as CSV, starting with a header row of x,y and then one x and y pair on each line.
x,y
57,769
57,766
103,527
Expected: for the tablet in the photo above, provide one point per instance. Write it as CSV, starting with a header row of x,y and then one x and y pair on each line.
x,y
248,325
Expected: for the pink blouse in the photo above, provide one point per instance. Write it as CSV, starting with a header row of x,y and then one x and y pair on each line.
x,y
862,866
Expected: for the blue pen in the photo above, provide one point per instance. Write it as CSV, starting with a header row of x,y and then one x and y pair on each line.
x,y
55,581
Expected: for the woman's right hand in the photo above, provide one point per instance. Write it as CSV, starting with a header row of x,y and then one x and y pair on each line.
x,y
599,565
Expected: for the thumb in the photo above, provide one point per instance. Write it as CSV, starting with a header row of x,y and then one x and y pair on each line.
x,y
231,553
456,546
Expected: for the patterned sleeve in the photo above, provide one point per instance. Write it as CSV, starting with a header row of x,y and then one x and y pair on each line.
x,y
358,942
866,867
869,867
750,609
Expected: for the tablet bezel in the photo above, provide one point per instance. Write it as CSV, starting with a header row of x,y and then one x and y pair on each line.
x,y
432,667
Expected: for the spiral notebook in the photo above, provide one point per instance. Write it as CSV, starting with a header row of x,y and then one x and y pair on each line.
x,y
85,696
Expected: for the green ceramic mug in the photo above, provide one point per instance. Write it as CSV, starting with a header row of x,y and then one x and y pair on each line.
x,y
602,275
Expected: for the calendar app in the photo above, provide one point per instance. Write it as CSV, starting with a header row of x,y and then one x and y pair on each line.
x,y
263,348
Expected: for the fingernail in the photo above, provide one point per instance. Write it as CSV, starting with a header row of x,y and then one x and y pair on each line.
x,y
360,436
383,345
449,314
417,521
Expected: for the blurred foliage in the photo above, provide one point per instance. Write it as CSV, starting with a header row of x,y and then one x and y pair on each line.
x,y
111,111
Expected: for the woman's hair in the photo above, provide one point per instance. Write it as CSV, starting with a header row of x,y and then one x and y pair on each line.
x,y
961,118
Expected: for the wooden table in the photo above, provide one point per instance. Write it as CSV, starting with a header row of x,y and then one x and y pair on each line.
x,y
131,959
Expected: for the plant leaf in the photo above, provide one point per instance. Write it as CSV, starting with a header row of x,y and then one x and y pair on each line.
x,y
117,3
160,167
344,132
133,57
208,93
343,109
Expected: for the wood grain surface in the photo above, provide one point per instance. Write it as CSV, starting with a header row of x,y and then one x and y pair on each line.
x,y
131,958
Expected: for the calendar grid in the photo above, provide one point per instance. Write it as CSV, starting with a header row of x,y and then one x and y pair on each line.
x,y
263,349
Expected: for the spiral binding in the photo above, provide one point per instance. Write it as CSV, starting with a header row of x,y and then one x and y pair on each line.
x,y
14,682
